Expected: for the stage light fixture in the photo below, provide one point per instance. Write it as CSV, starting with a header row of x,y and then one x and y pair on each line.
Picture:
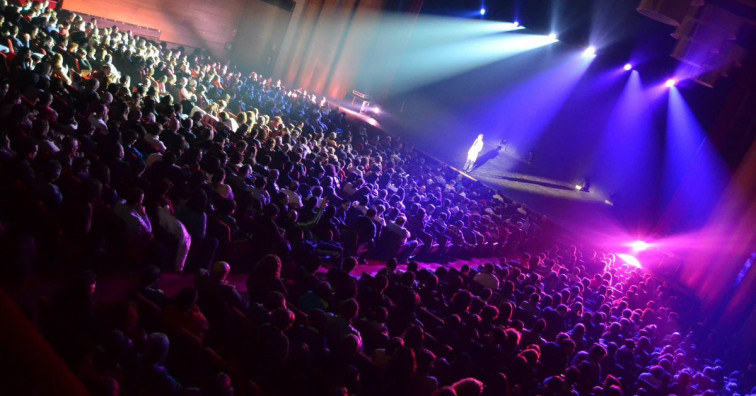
x,y
553,36
670,83
584,187
377,110
628,66
482,11
516,23
590,51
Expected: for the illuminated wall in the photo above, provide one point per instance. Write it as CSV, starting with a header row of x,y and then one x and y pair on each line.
x,y
262,29
325,47
328,47
196,23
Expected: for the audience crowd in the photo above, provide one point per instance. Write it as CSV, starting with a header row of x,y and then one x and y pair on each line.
x,y
121,156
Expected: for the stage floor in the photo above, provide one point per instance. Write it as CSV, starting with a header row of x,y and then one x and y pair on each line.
x,y
585,213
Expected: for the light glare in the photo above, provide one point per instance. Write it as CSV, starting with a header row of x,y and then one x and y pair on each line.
x,y
497,27
553,36
482,11
629,260
516,23
670,83
628,66
639,246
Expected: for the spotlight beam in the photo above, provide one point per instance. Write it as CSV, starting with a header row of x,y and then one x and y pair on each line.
x,y
629,260
536,112
425,66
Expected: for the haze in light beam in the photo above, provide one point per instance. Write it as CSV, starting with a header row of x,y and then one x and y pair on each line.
x,y
630,260
694,174
424,66
527,110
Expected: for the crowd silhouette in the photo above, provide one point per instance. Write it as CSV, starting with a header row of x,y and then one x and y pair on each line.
x,y
122,157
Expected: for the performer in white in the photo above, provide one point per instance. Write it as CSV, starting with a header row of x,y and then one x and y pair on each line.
x,y
472,154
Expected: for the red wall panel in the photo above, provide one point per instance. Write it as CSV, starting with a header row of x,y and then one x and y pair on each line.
x,y
196,23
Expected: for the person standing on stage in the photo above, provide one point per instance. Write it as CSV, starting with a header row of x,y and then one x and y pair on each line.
x,y
472,154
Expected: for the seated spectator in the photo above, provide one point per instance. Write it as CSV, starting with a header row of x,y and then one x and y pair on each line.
x,y
148,286
265,278
395,241
486,278
183,313
132,212
153,376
